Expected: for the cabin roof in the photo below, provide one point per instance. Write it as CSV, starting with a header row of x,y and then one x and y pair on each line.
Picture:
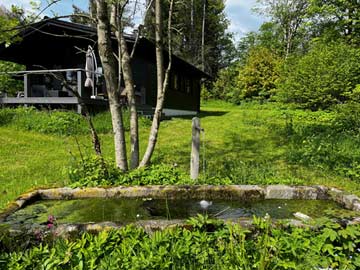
x,y
56,33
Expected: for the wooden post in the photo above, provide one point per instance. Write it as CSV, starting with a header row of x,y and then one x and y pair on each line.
x,y
79,89
195,149
26,85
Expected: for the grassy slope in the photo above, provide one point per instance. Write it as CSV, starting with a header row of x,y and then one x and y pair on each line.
x,y
242,143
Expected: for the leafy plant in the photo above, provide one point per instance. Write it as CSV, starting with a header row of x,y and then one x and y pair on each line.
x,y
257,78
202,243
327,75
65,123
93,171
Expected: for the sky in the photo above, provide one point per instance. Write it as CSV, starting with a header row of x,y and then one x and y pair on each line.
x,y
242,19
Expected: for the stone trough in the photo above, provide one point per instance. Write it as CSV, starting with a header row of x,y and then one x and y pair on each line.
x,y
210,193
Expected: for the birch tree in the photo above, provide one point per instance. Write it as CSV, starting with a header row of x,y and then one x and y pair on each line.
x,y
289,15
124,60
109,66
110,16
162,77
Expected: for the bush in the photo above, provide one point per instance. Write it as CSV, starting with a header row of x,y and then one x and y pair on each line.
x,y
7,83
327,75
347,118
60,122
225,87
93,171
6,116
52,122
258,77
202,243
254,79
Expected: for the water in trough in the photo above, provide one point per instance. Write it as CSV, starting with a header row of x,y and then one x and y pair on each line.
x,y
127,210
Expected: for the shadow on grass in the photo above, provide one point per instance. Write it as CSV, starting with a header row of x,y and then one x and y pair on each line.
x,y
203,114
237,158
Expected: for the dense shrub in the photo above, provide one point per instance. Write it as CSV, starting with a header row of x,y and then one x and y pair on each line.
x,y
325,76
201,244
225,86
254,79
93,171
8,84
257,78
347,118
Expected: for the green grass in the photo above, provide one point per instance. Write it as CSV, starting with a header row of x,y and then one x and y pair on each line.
x,y
248,144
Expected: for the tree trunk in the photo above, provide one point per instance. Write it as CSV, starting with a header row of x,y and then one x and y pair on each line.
x,y
129,86
124,61
192,29
93,9
109,65
162,84
203,37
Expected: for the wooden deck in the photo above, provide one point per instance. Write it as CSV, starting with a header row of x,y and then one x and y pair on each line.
x,y
39,100
144,110
88,96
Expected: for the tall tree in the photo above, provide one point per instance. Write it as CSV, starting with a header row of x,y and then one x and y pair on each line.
x,y
109,66
9,20
124,60
209,44
110,16
334,19
289,15
162,77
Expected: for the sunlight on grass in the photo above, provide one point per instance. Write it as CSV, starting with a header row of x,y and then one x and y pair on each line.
x,y
242,143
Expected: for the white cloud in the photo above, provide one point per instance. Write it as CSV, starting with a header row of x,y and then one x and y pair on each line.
x,y
242,18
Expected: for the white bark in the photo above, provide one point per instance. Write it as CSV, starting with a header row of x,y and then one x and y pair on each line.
x,y
125,70
162,79
109,66
203,37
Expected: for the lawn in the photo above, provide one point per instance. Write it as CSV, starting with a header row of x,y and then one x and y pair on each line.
x,y
247,144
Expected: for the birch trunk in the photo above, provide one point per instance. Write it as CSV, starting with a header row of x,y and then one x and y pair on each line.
x,y
129,86
203,37
162,83
109,66
124,62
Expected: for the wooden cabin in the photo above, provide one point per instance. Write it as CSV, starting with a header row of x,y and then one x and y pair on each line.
x,y
58,47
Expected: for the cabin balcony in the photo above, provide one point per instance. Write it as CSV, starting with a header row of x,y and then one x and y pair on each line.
x,y
57,88
50,89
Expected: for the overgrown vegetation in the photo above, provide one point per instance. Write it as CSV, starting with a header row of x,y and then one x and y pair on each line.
x,y
307,55
327,75
91,171
246,144
202,244
10,85
58,122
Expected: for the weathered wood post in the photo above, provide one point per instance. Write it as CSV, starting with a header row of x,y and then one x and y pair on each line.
x,y
26,85
195,149
80,88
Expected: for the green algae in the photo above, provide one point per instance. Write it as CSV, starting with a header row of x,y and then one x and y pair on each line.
x,y
127,210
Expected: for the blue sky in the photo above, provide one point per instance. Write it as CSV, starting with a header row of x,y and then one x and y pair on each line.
x,y
242,19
